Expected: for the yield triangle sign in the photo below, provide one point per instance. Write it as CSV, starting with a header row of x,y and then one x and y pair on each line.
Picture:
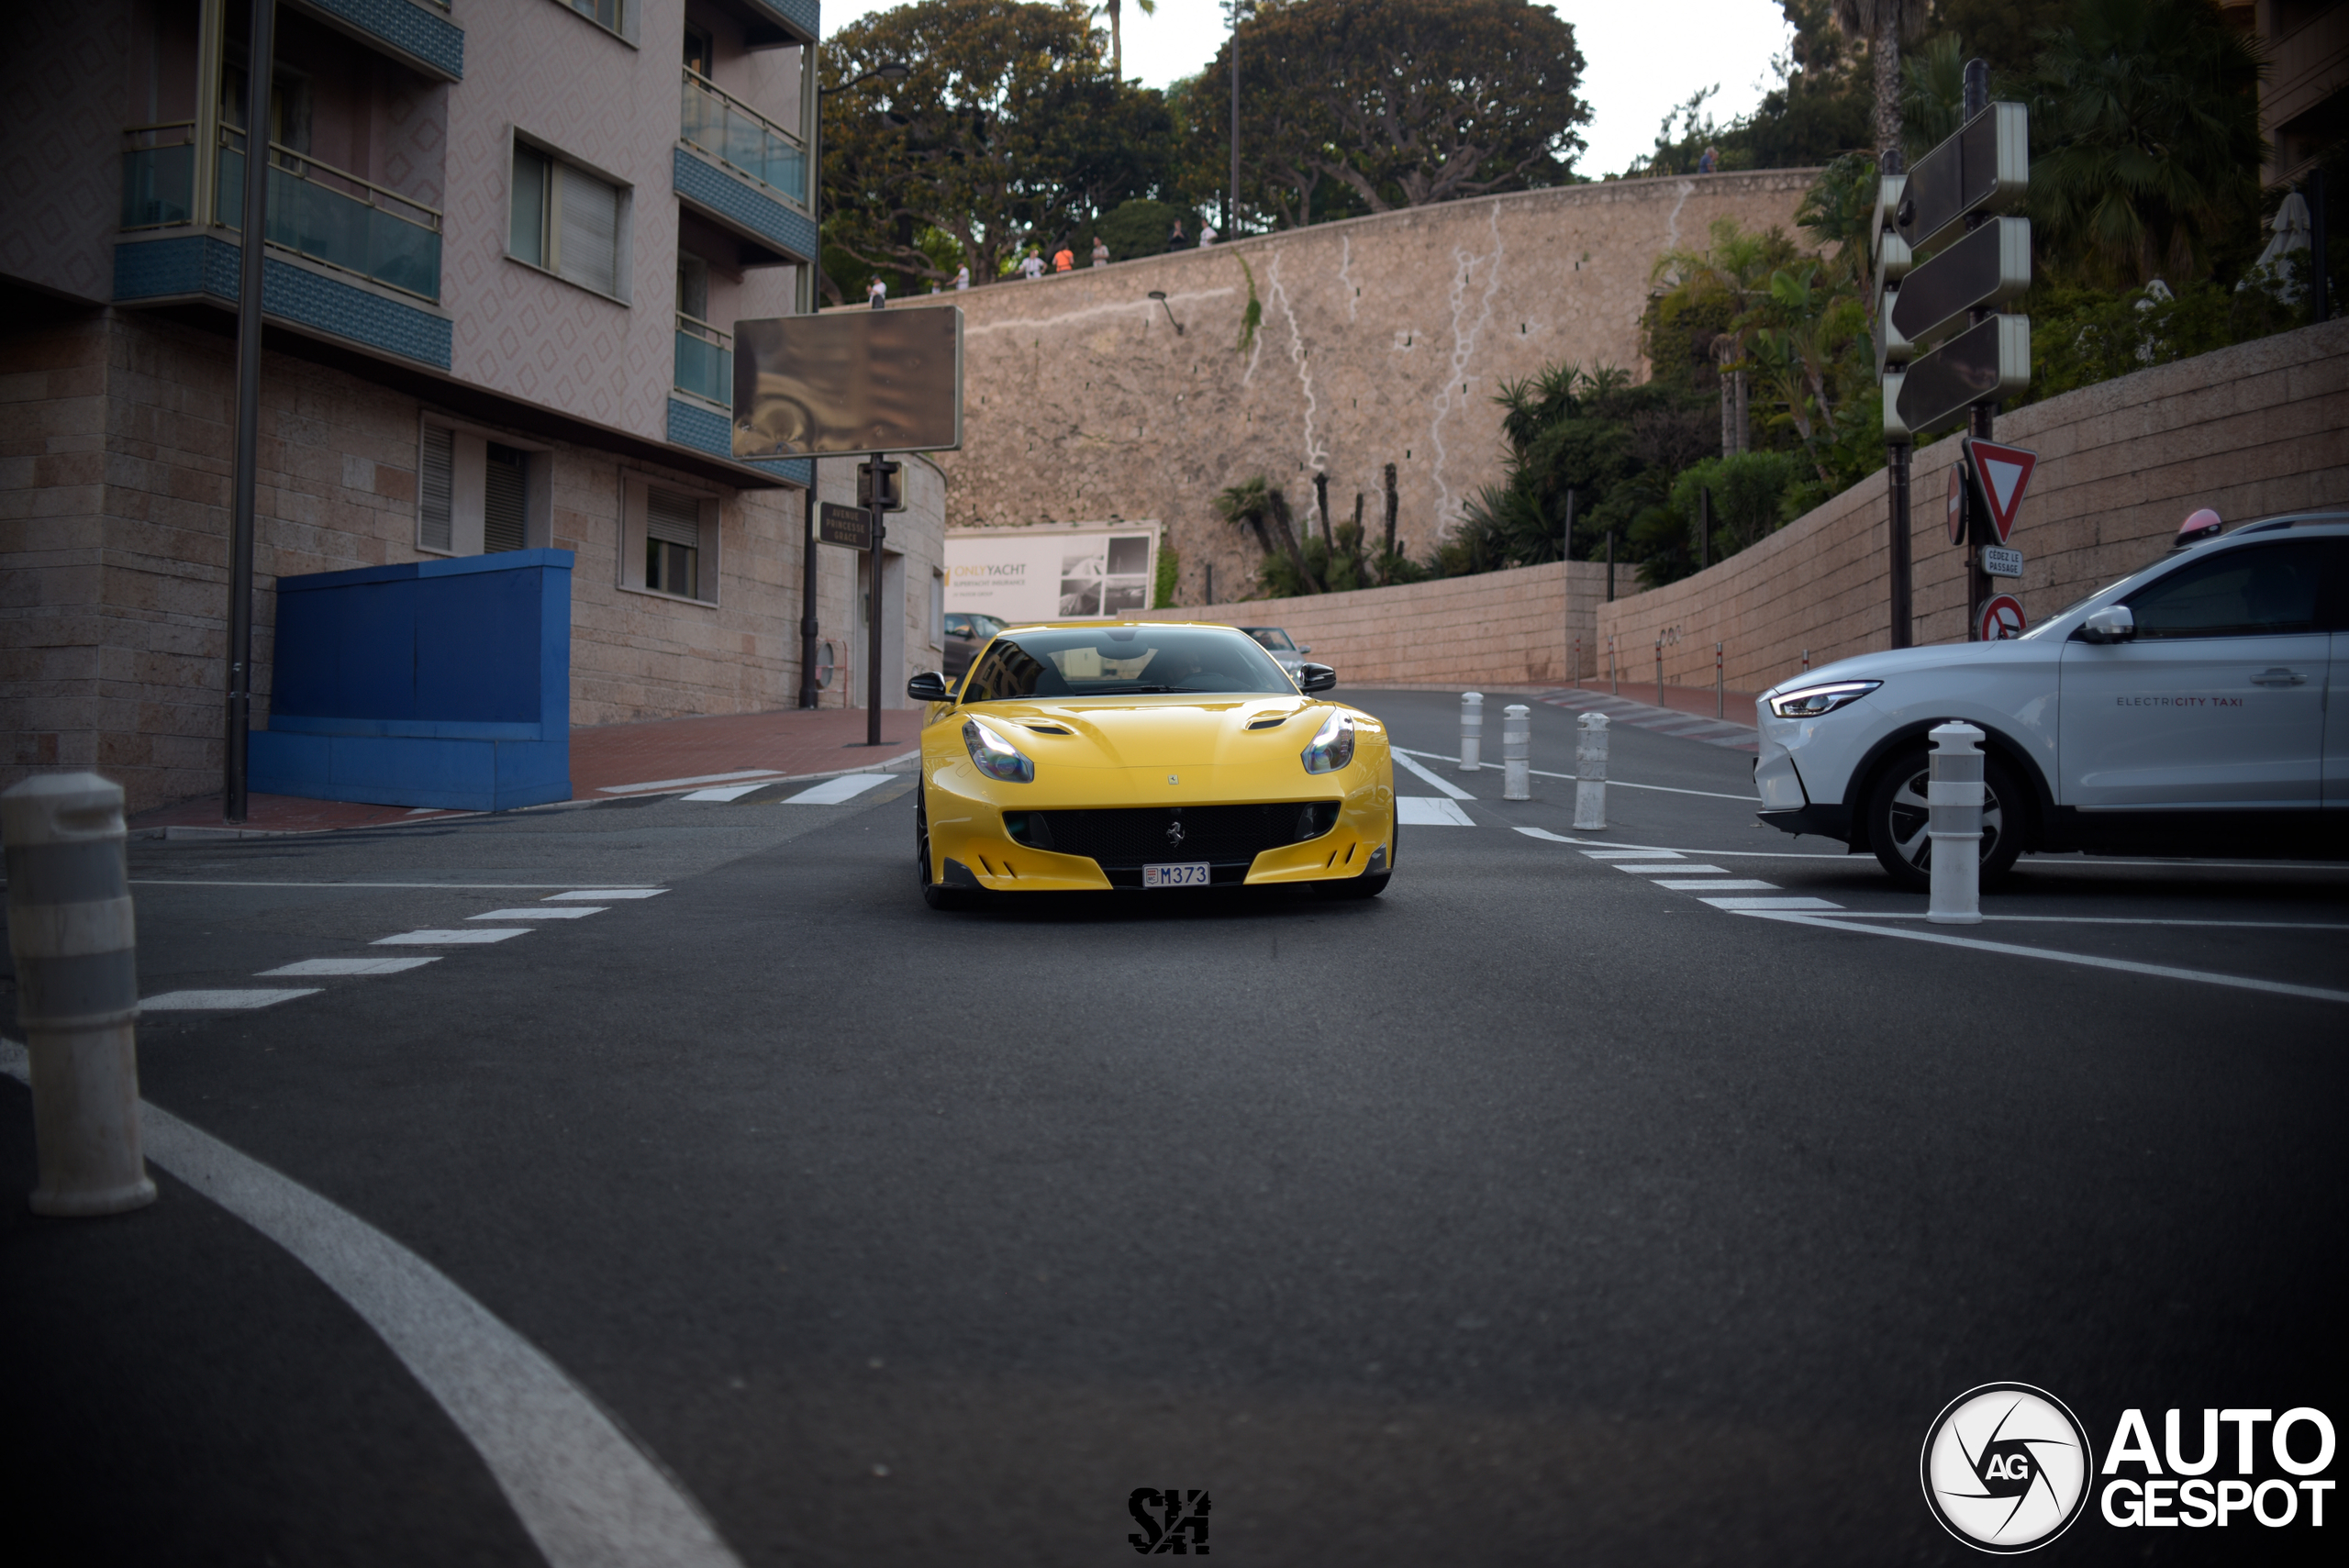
x,y
2000,474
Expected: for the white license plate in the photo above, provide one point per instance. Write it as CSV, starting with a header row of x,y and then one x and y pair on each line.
x,y
1192,875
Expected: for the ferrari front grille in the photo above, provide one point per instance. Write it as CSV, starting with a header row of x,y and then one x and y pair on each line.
x,y
1133,836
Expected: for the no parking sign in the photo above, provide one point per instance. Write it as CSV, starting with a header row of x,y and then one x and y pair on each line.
x,y
2001,618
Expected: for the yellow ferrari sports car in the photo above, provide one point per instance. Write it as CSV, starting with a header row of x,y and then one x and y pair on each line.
x,y
1113,754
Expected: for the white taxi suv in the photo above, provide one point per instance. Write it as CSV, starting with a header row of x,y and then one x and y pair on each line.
x,y
2184,710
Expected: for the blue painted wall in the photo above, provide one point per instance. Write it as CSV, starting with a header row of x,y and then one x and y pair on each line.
x,y
440,683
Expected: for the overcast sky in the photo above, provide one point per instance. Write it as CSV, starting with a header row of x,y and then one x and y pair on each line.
x,y
1643,59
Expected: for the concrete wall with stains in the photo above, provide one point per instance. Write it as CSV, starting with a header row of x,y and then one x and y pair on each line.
x,y
1381,339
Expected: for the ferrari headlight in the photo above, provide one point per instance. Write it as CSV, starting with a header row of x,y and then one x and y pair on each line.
x,y
1332,745
994,756
1811,701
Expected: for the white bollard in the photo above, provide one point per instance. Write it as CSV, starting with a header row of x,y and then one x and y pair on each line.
x,y
1517,741
1590,772
70,932
1472,730
1953,795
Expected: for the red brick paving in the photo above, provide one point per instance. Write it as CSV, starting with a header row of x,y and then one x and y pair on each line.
x,y
789,742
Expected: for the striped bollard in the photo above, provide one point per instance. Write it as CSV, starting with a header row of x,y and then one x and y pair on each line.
x,y
1590,774
1516,739
1954,799
70,932
1472,730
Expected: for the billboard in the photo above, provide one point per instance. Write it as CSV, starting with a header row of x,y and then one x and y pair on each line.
x,y
856,380
1052,572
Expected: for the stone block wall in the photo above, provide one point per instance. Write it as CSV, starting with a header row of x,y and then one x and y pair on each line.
x,y
1515,627
1381,340
2258,429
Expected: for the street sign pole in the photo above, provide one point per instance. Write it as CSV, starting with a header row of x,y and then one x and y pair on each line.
x,y
872,649
808,688
1978,531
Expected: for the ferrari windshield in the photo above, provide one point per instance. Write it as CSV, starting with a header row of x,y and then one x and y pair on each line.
x,y
1115,661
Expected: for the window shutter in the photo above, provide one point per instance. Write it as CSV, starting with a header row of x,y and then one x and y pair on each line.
x,y
591,230
501,508
672,518
439,478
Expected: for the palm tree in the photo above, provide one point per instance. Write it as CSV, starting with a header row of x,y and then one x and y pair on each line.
x,y
1116,42
1883,23
1257,505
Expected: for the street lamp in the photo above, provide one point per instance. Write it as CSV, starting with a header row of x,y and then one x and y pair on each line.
x,y
1160,296
891,72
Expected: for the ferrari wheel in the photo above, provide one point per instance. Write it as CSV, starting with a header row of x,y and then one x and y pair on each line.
x,y
936,895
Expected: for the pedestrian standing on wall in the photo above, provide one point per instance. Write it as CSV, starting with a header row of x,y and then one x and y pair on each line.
x,y
876,292
1032,267
1206,234
1710,161
1175,236
1100,252
1063,258
963,277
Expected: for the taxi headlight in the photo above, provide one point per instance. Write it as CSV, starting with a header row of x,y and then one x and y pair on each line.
x,y
994,756
1811,701
1332,745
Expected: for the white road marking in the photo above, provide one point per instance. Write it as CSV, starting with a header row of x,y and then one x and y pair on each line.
x,y
1620,783
1617,857
1429,776
589,1498
1544,833
348,966
2169,972
532,912
1819,904
696,779
832,792
1710,884
1666,868
200,1001
448,887
606,893
1430,811
730,791
2118,920
446,939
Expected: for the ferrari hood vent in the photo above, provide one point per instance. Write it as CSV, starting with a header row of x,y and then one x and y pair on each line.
x,y
1042,727
1271,721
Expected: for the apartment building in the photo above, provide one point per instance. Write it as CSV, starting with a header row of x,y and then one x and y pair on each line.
x,y
506,240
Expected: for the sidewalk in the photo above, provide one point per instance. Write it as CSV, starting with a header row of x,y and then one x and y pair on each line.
x,y
610,760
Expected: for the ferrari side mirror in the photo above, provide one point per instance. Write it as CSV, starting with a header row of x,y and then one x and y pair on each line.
x,y
1315,677
930,687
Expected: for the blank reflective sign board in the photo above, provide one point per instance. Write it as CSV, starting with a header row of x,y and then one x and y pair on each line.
x,y
855,381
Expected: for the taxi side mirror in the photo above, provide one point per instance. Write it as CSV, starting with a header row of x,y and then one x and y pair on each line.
x,y
1315,677
2111,624
930,687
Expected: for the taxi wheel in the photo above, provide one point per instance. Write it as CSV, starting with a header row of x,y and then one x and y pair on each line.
x,y
1898,819
937,896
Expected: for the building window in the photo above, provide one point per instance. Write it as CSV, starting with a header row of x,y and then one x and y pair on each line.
x,y
568,222
669,539
476,495
672,542
615,17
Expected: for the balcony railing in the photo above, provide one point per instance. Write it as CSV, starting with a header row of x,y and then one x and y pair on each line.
x,y
744,140
332,215
158,174
705,360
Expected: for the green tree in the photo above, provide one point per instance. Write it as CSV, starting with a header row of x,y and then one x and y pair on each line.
x,y
1117,33
1010,131
2146,140
1398,102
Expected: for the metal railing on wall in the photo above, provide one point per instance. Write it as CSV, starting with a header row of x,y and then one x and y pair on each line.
x,y
158,174
742,139
705,360
337,217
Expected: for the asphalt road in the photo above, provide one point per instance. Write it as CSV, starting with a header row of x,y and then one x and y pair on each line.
x,y
1535,1212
